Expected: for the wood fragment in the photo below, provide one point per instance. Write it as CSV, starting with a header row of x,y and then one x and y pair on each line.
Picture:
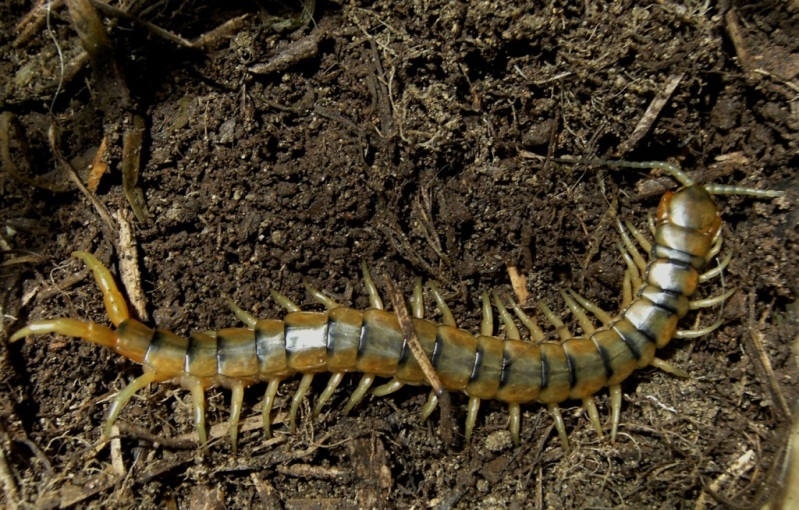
x,y
308,471
650,115
305,48
99,167
266,491
765,371
116,453
743,464
9,484
204,497
412,340
132,142
519,283
129,271
98,206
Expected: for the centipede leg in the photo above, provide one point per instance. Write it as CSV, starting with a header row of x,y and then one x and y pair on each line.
x,y
515,422
511,331
471,417
243,315
560,327
589,404
305,383
266,411
554,410
320,297
446,314
360,392
388,388
285,302
579,313
115,304
696,333
639,260
615,410
603,316
198,404
236,399
626,290
417,299
643,241
707,303
429,406
123,397
536,333
371,288
95,333
669,368
332,384
712,273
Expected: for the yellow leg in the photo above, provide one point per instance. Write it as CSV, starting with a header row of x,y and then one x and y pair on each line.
x,y
305,383
236,400
198,404
332,384
95,333
269,400
123,397
114,302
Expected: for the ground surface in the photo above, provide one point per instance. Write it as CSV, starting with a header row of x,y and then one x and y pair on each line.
x,y
413,136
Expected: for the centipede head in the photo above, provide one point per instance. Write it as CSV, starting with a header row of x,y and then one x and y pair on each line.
x,y
690,207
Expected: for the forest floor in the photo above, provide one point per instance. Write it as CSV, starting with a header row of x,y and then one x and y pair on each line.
x,y
269,144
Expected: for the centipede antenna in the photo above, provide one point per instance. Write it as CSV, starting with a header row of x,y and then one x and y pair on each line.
x,y
671,168
724,189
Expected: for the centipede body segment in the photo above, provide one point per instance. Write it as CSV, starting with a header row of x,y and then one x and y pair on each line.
x,y
340,340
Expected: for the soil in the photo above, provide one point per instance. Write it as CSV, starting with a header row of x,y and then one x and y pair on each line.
x,y
416,137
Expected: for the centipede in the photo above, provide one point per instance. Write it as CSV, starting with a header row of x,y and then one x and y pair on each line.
x,y
656,294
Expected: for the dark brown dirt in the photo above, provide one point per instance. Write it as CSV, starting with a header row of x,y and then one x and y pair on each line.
x,y
368,133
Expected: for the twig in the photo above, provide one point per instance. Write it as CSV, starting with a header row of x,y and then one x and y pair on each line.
x,y
652,112
412,340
